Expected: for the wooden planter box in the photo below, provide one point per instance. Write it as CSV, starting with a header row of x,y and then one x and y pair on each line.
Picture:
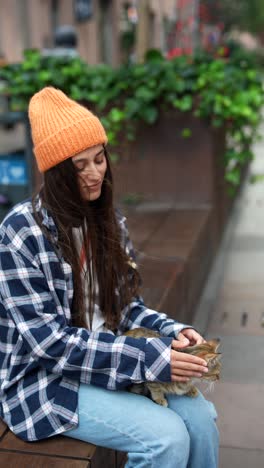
x,y
163,167
178,224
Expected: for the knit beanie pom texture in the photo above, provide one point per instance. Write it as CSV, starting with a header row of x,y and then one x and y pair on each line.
x,y
61,128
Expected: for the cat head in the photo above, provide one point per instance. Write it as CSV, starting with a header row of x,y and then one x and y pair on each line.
x,y
209,352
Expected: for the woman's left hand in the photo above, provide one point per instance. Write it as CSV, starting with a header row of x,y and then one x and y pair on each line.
x,y
190,337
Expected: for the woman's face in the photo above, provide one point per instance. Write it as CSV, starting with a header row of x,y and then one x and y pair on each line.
x,y
91,167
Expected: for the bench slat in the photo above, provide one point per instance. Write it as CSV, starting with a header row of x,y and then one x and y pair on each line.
x,y
59,445
22,460
181,247
3,428
163,284
178,234
143,225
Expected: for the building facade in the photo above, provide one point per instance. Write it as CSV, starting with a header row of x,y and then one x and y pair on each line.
x,y
106,30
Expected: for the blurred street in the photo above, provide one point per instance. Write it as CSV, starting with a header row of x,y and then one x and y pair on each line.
x,y
235,296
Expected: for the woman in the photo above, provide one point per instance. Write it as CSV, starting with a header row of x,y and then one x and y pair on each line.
x,y
69,290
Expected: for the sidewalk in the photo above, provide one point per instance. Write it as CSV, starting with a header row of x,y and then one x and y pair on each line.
x,y
232,308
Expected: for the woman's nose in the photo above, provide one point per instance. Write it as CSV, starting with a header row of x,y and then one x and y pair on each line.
x,y
92,172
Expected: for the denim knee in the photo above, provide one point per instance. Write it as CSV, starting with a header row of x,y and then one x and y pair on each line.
x,y
173,445
202,419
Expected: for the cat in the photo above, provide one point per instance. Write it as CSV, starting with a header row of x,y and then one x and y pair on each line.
x,y
207,351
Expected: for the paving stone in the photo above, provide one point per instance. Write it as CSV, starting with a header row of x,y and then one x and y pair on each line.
x,y
240,291
240,458
234,316
240,415
235,303
246,267
248,242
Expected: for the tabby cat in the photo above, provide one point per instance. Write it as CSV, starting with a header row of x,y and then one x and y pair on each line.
x,y
207,351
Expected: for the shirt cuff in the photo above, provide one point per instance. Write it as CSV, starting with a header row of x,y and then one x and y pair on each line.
x,y
158,359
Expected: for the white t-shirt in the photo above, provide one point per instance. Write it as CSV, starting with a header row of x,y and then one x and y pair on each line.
x,y
98,323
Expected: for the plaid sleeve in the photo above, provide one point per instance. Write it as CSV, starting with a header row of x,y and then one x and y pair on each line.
x,y
43,335
137,314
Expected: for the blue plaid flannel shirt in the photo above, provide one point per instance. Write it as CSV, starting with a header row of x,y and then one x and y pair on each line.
x,y
43,358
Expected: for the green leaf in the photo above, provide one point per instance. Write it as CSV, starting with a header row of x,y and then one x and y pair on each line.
x,y
233,176
132,106
186,133
153,55
144,93
149,114
111,137
217,123
256,178
114,157
116,115
132,198
44,76
130,135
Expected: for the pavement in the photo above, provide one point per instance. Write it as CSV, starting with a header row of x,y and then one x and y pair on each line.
x,y
232,308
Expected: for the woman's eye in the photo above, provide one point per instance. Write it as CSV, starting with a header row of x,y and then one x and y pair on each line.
x,y
100,161
79,169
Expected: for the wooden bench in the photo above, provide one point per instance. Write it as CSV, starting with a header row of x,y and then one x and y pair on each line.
x,y
57,452
175,249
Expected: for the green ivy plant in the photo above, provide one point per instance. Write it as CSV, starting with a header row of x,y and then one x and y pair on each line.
x,y
226,92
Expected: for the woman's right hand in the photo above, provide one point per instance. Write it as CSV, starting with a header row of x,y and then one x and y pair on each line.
x,y
185,366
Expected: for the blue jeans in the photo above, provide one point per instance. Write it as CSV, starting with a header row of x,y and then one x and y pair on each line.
x,y
181,436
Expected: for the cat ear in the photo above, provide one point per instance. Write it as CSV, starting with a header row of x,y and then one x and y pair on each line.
x,y
215,343
214,359
211,356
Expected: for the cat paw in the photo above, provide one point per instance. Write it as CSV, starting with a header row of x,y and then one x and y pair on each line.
x,y
161,401
193,392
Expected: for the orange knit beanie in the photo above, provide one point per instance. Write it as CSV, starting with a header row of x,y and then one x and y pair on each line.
x,y
61,127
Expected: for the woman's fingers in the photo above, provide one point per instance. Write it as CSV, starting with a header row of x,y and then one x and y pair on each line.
x,y
186,373
189,366
186,366
187,358
192,335
177,378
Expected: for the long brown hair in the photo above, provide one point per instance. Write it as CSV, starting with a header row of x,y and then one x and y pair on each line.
x,y
109,263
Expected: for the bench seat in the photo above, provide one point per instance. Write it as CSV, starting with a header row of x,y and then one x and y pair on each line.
x,y
175,249
55,452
